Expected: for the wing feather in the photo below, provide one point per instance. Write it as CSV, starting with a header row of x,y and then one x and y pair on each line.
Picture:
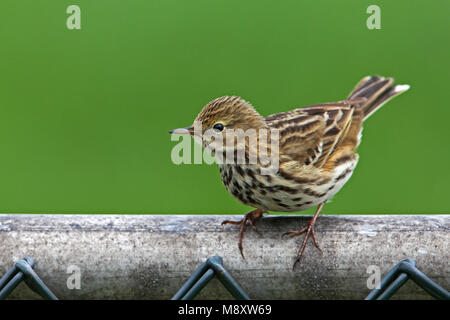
x,y
310,134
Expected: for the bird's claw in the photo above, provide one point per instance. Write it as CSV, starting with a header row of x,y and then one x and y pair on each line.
x,y
251,217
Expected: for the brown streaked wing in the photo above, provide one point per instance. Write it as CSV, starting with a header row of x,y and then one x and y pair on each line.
x,y
300,134
337,124
309,135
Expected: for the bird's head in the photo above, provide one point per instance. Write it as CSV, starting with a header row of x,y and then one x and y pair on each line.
x,y
221,115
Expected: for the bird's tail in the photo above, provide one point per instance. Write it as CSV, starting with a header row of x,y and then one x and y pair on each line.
x,y
377,91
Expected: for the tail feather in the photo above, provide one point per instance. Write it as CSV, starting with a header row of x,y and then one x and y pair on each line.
x,y
377,90
366,81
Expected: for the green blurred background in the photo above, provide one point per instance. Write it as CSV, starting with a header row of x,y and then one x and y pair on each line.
x,y
84,114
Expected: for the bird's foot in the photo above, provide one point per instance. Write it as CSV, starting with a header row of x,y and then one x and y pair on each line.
x,y
249,218
309,230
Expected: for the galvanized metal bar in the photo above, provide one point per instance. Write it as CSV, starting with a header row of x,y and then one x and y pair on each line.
x,y
151,256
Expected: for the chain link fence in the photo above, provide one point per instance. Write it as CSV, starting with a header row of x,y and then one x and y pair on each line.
x,y
213,267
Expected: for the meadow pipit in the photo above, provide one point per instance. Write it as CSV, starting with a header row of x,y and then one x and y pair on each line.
x,y
316,151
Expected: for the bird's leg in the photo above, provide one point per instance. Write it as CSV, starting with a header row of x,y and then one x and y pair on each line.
x,y
251,218
309,230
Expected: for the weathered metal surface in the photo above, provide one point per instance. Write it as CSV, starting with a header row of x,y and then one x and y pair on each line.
x,y
151,256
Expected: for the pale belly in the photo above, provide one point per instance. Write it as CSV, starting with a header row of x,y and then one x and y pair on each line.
x,y
275,193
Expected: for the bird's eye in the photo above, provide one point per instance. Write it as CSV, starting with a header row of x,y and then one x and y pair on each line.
x,y
218,126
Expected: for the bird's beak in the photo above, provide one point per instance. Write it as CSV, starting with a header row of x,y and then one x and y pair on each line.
x,y
187,130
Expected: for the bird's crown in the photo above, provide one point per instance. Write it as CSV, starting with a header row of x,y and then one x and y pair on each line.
x,y
230,112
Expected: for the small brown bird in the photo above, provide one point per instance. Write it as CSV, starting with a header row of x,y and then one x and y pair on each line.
x,y
316,150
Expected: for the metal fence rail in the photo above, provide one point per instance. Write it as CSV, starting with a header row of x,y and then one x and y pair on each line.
x,y
152,256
